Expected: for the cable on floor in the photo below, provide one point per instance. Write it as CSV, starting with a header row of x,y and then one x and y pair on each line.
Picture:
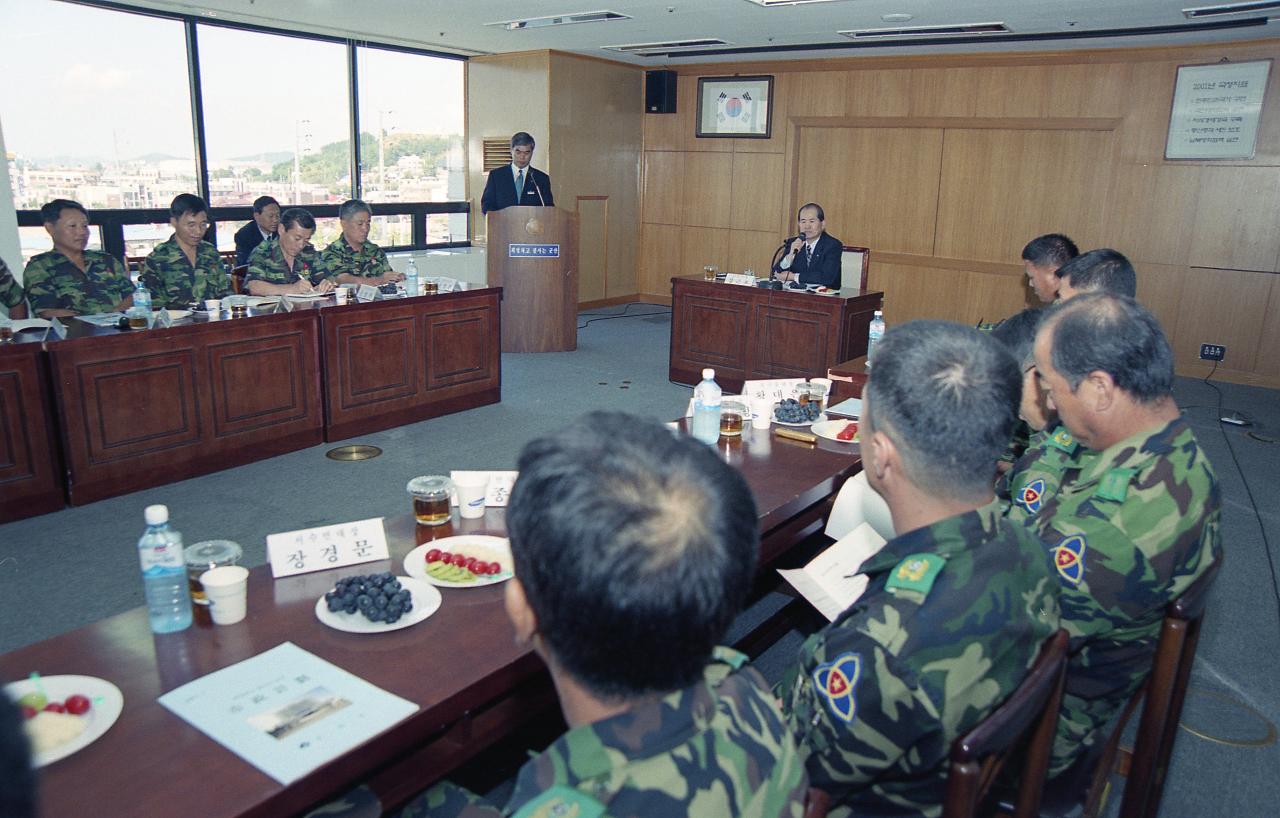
x,y
624,314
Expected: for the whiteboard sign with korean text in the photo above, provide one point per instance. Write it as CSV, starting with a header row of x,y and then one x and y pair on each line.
x,y
329,546
1216,110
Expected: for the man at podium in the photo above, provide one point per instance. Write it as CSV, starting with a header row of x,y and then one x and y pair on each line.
x,y
518,183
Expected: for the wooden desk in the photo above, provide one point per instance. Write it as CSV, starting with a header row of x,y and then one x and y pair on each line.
x,y
30,460
461,667
747,333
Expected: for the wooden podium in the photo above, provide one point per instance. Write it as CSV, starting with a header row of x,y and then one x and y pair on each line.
x,y
533,257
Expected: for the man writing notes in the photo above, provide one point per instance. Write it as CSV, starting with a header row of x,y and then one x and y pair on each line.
x,y
266,217
518,183
70,280
289,264
813,257
958,604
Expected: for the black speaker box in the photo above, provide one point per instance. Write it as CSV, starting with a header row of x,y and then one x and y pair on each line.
x,y
660,92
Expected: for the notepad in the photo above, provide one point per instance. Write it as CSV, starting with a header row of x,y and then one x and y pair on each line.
x,y
830,581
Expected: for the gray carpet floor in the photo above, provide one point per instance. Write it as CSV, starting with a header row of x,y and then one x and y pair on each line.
x,y
63,570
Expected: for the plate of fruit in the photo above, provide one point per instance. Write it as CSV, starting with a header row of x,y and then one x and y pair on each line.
x,y
464,561
377,603
65,714
841,431
791,412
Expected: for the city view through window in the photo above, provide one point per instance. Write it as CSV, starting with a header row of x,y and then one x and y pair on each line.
x,y
109,124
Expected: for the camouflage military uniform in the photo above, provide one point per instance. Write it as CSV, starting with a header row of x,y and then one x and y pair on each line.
x,y
954,615
266,263
10,290
717,748
341,259
1128,531
175,283
54,283
1038,473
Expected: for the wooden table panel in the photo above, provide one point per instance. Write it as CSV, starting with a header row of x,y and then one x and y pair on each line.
x,y
135,406
30,460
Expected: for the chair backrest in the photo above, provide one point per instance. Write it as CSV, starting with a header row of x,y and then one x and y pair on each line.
x,y
854,263
1025,721
237,278
816,803
1166,688
857,503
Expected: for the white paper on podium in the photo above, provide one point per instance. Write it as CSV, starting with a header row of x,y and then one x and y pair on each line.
x,y
830,581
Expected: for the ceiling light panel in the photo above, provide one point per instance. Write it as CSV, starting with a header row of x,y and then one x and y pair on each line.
x,y
561,20
1229,8
958,29
671,45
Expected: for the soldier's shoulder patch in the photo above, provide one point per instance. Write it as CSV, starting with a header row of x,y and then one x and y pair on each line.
x,y
561,802
916,573
1064,440
835,680
1068,558
1031,496
1114,485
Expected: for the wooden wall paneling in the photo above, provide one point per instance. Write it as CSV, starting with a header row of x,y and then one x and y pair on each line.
x,y
750,249
1014,91
1208,298
1267,364
1092,89
756,182
1160,290
886,198
816,93
878,92
663,187
593,247
1003,188
701,246
661,249
1235,225
708,189
1147,104
916,292
944,91
667,132
992,296
1151,206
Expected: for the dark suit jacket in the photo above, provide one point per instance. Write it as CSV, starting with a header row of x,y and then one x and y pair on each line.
x,y
825,267
500,189
247,238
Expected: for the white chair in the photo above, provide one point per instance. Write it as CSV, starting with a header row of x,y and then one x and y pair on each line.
x,y
857,503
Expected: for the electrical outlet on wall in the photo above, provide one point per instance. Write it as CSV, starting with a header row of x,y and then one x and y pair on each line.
x,y
1212,352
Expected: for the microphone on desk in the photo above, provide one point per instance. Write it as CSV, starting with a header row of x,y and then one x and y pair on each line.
x,y
533,179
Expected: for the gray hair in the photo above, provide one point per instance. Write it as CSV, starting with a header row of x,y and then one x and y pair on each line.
x,y
351,207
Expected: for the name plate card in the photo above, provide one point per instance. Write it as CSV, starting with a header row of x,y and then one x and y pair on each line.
x,y
446,284
778,389
329,546
56,331
366,293
741,279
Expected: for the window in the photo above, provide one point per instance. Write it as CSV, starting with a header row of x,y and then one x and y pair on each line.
x,y
88,114
411,127
275,118
36,240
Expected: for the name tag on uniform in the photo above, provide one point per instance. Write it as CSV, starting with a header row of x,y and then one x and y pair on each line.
x,y
330,546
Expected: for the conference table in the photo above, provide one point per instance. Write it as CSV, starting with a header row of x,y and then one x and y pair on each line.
x,y
473,685
134,409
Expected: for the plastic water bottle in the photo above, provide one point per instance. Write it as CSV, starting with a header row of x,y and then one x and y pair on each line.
x,y
142,296
164,573
874,333
706,408
411,279
139,314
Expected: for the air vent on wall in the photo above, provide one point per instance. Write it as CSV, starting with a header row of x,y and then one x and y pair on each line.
x,y
962,29
672,45
497,152
1229,8
561,20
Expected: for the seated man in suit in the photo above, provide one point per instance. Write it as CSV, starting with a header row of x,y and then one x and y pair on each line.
x,y
69,279
185,268
813,257
266,218
518,183
1041,259
634,549
958,602
1097,271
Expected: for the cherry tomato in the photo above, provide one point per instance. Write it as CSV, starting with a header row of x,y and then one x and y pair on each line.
x,y
78,705
29,712
446,557
470,564
495,568
55,707
433,555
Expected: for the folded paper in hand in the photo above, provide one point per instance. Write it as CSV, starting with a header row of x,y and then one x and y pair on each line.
x,y
830,581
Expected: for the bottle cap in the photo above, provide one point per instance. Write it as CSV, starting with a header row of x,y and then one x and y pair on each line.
x,y
708,373
156,515
878,314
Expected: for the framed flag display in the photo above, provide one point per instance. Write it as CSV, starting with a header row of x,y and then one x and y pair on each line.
x,y
735,107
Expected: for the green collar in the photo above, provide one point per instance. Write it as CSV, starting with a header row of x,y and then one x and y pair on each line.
x,y
944,538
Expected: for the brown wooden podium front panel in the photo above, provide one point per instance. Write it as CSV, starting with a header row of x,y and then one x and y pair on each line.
x,y
394,362
794,341
144,409
30,463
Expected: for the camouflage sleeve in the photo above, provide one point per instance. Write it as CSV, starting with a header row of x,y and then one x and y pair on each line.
x,y
319,270
447,800
40,287
331,258
856,713
10,290
218,280
154,279
118,279
382,265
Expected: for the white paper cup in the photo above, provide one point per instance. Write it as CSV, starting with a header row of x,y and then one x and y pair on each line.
x,y
472,489
213,305
761,413
226,589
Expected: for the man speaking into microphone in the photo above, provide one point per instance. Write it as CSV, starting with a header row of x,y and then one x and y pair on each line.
x,y
813,257
518,183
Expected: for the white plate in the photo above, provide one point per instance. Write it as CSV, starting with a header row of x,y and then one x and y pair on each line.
x,y
820,419
107,700
426,601
830,428
415,562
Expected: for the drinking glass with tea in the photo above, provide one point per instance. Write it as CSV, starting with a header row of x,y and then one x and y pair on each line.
x,y
431,495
